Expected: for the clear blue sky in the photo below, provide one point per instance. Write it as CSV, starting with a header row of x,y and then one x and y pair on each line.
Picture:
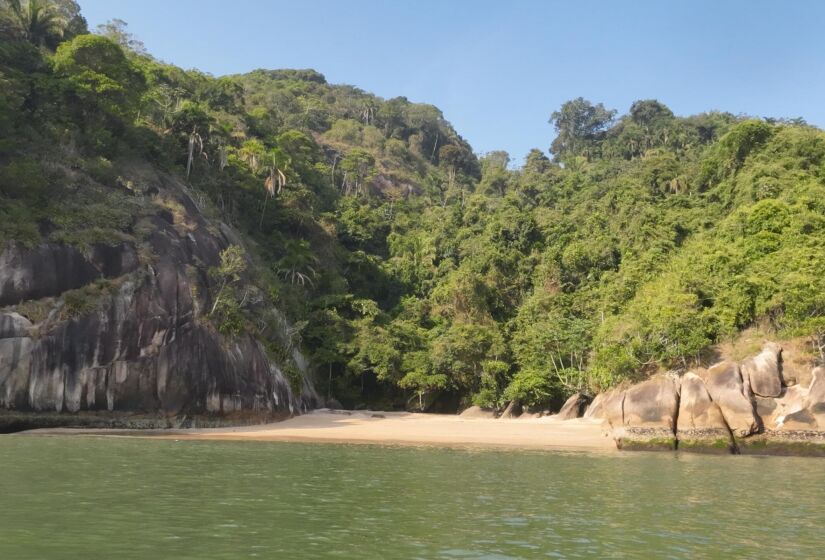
x,y
498,69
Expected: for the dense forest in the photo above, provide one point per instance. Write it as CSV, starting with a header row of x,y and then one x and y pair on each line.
x,y
414,272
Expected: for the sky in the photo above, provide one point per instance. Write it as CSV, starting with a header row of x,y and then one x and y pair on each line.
x,y
499,69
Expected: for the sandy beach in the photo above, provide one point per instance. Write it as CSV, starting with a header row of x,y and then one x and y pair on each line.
x,y
399,428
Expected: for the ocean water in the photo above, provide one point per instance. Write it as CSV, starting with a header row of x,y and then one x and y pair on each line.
x,y
78,497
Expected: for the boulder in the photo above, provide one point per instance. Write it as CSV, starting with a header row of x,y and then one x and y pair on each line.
x,y
512,410
763,372
596,408
774,412
649,412
573,407
613,408
701,425
815,402
478,412
334,404
724,383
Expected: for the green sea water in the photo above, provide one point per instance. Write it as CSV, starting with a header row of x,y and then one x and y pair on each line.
x,y
120,498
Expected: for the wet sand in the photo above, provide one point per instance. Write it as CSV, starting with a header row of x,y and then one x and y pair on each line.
x,y
399,428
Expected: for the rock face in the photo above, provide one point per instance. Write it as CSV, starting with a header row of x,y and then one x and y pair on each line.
x,y
762,371
50,269
724,383
143,345
701,424
573,407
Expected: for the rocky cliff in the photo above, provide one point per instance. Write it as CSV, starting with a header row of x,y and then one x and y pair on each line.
x,y
118,334
755,406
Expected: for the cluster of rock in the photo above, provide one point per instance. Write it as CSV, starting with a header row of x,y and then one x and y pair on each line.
x,y
144,347
574,407
730,407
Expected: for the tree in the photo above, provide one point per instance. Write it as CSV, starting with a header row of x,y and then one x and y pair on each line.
x,y
115,30
580,126
40,22
99,76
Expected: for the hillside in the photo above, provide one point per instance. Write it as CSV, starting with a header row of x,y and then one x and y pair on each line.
x,y
365,234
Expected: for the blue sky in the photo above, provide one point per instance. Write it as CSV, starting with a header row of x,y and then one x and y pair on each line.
x,y
498,69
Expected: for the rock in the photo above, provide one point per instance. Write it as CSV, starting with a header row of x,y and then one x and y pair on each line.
x,y
478,412
763,371
815,402
613,408
701,425
512,410
724,383
650,410
334,404
51,269
773,411
13,325
573,407
144,346
596,408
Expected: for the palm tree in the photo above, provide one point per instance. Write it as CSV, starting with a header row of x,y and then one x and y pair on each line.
x,y
297,265
37,21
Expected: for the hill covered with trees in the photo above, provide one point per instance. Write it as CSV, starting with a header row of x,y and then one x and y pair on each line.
x,y
413,272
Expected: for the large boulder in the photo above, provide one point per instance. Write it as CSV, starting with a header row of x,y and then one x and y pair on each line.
x,y
596,408
613,408
649,412
763,372
477,412
573,407
724,383
701,425
512,410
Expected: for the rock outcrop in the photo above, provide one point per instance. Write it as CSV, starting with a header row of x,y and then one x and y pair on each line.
x,y
140,344
729,408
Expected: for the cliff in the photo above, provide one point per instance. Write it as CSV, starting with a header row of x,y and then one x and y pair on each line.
x,y
120,335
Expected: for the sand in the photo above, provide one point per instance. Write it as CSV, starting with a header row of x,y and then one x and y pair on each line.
x,y
400,428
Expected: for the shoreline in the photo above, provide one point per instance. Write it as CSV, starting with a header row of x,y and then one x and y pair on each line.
x,y
390,428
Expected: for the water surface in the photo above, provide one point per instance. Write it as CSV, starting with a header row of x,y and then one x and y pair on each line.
x,y
87,497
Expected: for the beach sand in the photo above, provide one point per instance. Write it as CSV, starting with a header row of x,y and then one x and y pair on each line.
x,y
398,428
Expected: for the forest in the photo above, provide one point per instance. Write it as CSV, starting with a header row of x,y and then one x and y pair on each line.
x,y
415,272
